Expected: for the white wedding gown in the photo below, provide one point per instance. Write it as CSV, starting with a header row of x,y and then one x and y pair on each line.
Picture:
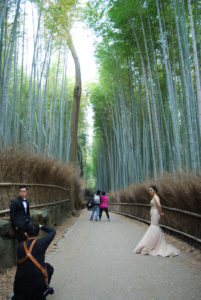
x,y
153,242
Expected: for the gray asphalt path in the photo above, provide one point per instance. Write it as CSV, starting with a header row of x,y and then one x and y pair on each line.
x,y
95,261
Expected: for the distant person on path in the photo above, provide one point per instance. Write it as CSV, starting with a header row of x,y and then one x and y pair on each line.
x,y
153,242
96,206
19,213
33,275
90,202
104,206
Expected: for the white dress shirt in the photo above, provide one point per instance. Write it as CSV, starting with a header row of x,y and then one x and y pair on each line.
x,y
24,204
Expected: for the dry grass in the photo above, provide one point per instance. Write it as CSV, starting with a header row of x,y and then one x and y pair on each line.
x,y
179,191
26,167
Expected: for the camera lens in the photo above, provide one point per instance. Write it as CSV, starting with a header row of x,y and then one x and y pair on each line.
x,y
49,290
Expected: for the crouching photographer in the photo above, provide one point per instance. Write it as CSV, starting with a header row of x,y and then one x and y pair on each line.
x,y
33,275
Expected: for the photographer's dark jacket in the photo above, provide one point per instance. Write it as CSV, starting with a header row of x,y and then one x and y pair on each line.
x,y
29,280
17,213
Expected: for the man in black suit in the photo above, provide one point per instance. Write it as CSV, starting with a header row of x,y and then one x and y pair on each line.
x,y
19,213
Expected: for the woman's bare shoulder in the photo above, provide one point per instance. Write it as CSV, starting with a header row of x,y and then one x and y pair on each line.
x,y
156,198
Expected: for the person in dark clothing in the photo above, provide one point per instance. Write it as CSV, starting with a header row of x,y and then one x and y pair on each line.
x,y
30,283
20,214
90,202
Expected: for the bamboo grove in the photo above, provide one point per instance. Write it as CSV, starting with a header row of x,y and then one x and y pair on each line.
x,y
36,95
148,100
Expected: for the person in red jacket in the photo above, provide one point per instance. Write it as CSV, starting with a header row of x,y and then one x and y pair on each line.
x,y
104,206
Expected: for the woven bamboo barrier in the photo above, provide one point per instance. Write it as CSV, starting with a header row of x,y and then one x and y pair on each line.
x,y
176,220
38,194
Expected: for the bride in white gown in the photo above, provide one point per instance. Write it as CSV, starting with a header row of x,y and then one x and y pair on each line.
x,y
153,242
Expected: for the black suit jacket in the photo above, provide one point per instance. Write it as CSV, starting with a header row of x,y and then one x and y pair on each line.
x,y
29,278
17,213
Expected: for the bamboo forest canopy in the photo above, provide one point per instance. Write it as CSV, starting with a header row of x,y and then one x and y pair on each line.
x,y
35,93
147,102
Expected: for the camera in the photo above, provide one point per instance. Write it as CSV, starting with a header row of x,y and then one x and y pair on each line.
x,y
49,290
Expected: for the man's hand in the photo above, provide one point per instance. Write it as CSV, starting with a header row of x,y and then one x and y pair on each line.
x,y
16,228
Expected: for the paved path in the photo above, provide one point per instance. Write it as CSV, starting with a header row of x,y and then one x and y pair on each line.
x,y
95,261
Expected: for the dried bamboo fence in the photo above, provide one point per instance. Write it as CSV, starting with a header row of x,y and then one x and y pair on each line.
x,y
39,195
181,222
